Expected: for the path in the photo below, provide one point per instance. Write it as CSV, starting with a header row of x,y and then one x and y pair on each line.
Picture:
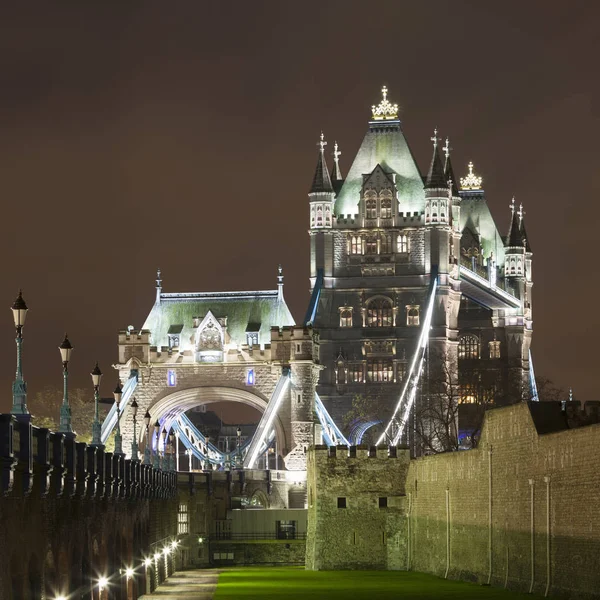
x,y
196,584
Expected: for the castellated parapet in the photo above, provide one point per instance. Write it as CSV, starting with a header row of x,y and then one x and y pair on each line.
x,y
356,508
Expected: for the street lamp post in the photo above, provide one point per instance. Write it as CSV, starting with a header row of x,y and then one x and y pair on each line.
x,y
135,451
147,449
96,425
172,450
156,457
118,394
19,407
65,410
165,458
239,447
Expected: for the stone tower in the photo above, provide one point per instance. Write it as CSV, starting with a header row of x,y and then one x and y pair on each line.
x,y
374,255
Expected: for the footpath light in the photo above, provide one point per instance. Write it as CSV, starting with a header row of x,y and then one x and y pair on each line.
x,y
65,410
102,583
129,572
147,562
118,394
96,425
19,407
172,465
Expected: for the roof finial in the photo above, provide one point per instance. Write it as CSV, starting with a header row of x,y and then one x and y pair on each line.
x,y
570,394
385,110
521,213
435,138
512,206
158,285
471,181
322,143
280,282
447,148
337,173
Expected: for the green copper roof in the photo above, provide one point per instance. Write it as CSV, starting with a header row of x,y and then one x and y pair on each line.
x,y
245,311
383,144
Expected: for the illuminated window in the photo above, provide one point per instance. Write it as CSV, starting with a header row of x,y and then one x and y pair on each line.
x,y
182,519
386,208
495,349
386,244
327,215
371,246
319,215
380,371
356,245
402,243
468,346
468,394
250,378
379,313
371,209
252,338
171,378
173,341
357,374
413,315
345,317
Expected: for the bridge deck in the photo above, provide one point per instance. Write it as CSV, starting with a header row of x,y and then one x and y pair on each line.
x,y
196,584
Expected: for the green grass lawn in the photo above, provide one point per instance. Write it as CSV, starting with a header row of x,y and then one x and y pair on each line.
x,y
291,583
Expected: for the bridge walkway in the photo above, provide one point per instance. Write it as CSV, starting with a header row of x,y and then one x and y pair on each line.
x,y
195,584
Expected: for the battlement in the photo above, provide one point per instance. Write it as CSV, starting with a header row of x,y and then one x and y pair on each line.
x,y
362,451
402,219
134,336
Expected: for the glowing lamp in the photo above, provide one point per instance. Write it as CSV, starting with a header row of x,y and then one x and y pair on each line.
x,y
96,375
102,583
156,556
65,350
19,311
174,544
166,551
118,393
147,562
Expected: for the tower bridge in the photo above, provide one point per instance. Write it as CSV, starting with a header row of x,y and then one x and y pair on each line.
x,y
411,284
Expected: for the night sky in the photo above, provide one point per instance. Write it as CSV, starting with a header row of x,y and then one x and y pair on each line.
x,y
182,135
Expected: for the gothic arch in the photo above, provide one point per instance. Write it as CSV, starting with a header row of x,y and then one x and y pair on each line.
x,y
182,401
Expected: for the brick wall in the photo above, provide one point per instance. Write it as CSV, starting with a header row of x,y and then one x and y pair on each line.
x,y
558,470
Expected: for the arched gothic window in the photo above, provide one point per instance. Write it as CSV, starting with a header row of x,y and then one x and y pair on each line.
x,y
379,313
355,244
371,206
413,315
402,243
345,317
386,208
468,346
386,244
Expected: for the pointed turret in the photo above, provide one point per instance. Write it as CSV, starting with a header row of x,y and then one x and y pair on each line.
x,y
448,170
513,238
522,230
435,176
321,181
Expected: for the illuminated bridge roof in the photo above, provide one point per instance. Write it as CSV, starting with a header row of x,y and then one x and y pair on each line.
x,y
250,311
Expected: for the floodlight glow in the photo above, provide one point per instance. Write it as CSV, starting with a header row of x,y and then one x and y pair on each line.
x,y
166,551
147,562
270,419
60,598
129,572
174,544
156,556
102,583
200,540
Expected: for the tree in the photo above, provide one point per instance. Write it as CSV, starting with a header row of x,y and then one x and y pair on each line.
x,y
368,413
45,409
549,391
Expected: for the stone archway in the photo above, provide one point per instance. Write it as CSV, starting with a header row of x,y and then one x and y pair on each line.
x,y
184,400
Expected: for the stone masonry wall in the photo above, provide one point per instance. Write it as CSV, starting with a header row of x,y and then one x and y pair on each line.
x,y
364,534
457,527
